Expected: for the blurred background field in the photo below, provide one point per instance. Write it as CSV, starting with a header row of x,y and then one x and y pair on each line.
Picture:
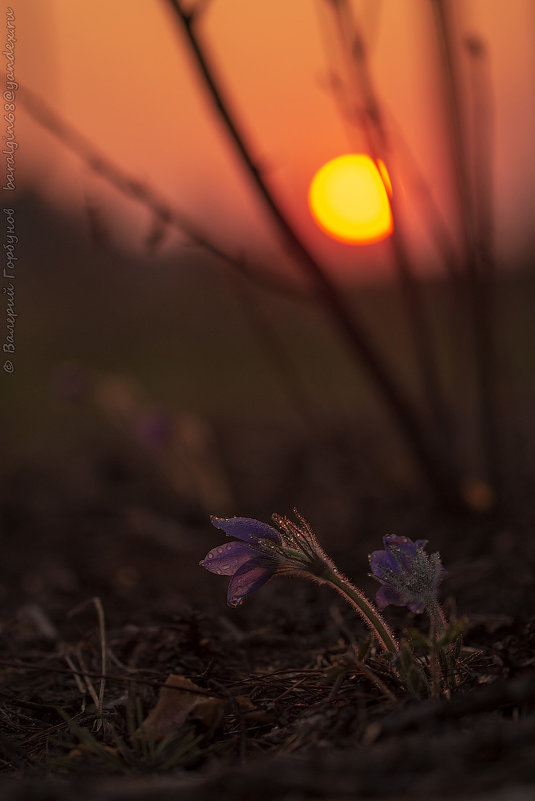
x,y
180,326
107,285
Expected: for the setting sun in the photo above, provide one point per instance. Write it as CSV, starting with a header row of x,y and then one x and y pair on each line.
x,y
348,198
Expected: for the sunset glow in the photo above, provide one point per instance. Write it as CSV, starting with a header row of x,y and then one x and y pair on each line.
x,y
348,199
174,142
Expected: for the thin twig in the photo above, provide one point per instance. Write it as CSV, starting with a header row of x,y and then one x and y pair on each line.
x,y
378,140
483,119
420,190
79,683
480,311
140,192
350,328
482,151
164,216
85,674
98,700
102,634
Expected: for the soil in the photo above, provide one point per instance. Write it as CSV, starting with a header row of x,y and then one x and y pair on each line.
x,y
100,550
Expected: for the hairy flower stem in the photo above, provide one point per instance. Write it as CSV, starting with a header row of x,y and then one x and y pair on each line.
x,y
434,666
371,616
437,617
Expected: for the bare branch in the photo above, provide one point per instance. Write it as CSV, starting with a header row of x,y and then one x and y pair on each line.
x,y
351,329
129,185
371,120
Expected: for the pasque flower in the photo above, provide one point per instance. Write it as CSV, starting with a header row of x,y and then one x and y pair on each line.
x,y
251,560
260,552
408,575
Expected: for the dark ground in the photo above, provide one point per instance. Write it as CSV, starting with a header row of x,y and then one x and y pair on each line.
x,y
293,716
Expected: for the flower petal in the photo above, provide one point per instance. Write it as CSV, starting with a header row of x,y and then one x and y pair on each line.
x,y
388,595
382,563
247,579
402,545
421,543
410,577
246,529
438,577
226,559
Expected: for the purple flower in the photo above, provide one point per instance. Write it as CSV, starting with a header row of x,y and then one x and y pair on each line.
x,y
262,551
251,560
409,576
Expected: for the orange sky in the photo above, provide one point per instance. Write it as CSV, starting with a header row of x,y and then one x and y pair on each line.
x,y
119,71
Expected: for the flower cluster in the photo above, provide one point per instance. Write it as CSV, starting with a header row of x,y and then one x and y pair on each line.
x,y
409,577
259,551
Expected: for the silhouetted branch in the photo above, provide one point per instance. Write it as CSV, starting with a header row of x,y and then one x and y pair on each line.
x,y
378,140
165,216
477,287
129,185
483,123
353,331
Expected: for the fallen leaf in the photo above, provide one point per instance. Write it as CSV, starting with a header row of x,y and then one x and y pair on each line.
x,y
179,701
